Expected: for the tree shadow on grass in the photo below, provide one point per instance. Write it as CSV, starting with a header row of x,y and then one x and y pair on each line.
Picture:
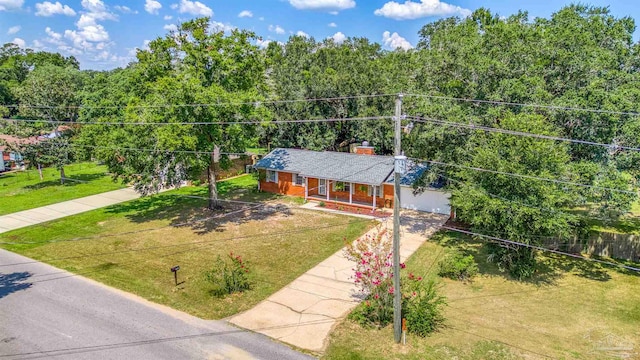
x,y
81,179
184,211
549,268
14,282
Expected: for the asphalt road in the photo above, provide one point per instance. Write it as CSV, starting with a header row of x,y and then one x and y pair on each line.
x,y
70,317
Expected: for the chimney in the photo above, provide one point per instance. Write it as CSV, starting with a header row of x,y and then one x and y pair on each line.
x,y
365,149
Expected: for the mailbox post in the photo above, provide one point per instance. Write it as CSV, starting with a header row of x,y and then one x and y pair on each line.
x,y
174,270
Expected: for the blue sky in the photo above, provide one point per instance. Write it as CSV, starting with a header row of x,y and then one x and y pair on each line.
x,y
103,34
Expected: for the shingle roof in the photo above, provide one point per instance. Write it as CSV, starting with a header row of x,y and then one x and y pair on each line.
x,y
347,167
414,172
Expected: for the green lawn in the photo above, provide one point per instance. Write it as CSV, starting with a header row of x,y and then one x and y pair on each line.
x,y
572,309
139,241
258,151
627,224
24,190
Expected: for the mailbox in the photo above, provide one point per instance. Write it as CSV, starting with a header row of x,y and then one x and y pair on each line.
x,y
175,268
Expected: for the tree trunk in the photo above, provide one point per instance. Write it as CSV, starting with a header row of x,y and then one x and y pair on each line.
x,y
40,172
213,189
62,175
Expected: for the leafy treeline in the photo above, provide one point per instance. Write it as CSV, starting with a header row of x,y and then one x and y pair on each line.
x,y
581,57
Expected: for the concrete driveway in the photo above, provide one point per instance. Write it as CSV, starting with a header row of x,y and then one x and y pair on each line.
x,y
304,312
45,316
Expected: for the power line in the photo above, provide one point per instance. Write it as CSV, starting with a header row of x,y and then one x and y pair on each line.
x,y
554,211
550,107
229,103
519,133
95,348
535,247
247,122
526,176
196,246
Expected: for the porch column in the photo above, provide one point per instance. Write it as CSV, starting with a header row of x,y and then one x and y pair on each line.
x,y
375,196
328,188
306,188
350,193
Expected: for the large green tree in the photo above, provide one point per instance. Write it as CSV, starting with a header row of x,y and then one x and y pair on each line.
x,y
199,81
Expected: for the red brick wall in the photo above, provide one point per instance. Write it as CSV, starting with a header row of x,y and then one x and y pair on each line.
x,y
284,185
368,150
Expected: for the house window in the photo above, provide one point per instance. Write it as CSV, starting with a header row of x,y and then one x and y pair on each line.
x,y
374,190
272,176
342,186
298,180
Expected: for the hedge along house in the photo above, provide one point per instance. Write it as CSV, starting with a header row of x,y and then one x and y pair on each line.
x,y
360,179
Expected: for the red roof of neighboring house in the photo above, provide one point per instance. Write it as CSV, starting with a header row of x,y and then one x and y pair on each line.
x,y
10,139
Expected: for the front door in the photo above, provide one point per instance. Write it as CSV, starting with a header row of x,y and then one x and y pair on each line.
x,y
322,187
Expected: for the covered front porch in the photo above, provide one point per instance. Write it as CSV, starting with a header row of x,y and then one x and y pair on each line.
x,y
346,193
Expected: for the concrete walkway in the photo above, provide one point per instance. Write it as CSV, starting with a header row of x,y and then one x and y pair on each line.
x,y
304,312
56,211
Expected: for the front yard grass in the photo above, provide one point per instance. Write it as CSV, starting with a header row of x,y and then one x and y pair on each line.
x,y
136,243
573,309
23,190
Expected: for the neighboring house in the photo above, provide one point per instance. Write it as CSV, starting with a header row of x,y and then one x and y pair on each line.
x,y
360,179
11,159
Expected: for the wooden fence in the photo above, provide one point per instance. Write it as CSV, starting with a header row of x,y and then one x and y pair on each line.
x,y
617,246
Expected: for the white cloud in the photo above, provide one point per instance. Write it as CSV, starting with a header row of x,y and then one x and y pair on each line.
x,y
170,27
14,29
53,35
98,10
328,5
339,37
415,10
38,45
261,18
394,41
168,17
174,6
152,7
276,29
333,12
245,13
302,33
10,4
92,33
332,25
262,43
218,26
19,42
49,9
124,9
195,8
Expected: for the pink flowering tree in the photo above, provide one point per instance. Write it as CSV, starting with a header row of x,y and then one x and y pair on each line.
x,y
373,274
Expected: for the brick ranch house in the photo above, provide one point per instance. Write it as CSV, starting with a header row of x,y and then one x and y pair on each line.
x,y
361,179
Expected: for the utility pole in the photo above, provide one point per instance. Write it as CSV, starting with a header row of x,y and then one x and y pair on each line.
x,y
399,169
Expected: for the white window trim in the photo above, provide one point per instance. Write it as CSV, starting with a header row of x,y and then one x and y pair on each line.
x,y
346,185
295,178
275,180
371,190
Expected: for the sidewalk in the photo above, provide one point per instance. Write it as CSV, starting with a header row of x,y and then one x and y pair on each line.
x,y
304,312
56,211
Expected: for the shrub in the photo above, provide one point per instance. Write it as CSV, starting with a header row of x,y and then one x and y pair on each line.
x,y
422,306
322,204
229,276
373,275
519,262
457,266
